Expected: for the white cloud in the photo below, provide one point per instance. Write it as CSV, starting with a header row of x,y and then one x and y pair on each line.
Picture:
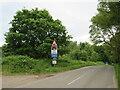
x,y
2,40
1,43
82,38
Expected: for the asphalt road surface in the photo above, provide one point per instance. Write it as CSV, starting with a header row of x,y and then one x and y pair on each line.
x,y
87,77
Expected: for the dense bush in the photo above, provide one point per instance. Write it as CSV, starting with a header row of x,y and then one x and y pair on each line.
x,y
17,64
41,65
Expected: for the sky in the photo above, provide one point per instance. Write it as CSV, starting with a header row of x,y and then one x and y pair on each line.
x,y
74,14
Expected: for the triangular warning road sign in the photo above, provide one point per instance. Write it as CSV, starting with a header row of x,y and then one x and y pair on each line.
x,y
54,43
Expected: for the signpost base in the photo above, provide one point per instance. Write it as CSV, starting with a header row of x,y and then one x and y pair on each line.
x,y
54,62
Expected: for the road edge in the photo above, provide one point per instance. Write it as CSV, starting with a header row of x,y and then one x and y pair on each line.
x,y
115,80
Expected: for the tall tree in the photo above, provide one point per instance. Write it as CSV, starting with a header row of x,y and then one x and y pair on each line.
x,y
106,25
32,33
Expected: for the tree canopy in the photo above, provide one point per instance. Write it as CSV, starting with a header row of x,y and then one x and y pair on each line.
x,y
32,32
105,26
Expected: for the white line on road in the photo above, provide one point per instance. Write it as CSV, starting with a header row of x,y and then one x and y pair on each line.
x,y
77,79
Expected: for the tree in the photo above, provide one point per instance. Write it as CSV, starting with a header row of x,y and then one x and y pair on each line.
x,y
101,50
115,42
106,24
32,33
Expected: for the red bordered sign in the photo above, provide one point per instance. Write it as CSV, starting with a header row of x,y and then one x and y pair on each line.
x,y
54,44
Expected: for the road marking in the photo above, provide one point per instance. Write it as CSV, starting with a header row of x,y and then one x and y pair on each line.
x,y
76,79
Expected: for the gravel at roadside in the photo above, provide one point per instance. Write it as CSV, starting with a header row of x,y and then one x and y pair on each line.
x,y
18,80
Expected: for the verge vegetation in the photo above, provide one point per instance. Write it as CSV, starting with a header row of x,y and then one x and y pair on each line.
x,y
16,65
117,71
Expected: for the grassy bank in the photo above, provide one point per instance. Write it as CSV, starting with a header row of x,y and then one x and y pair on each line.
x,y
17,65
117,71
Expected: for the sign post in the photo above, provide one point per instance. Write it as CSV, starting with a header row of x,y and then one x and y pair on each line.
x,y
54,62
54,53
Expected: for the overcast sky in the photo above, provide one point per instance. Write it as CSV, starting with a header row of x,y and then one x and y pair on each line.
x,y
74,14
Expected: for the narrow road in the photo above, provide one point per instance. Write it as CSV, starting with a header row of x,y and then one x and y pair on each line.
x,y
87,77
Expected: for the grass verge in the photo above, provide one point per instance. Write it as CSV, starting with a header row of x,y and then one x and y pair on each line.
x,y
23,65
117,72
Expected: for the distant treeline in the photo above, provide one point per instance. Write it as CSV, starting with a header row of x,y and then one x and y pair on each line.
x,y
87,52
82,51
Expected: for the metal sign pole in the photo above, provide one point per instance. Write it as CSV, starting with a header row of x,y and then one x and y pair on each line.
x,y
54,63
54,54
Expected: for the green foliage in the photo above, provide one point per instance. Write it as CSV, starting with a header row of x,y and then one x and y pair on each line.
x,y
102,51
116,47
6,51
87,52
94,56
75,52
41,66
32,33
18,64
105,27
106,23
25,65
